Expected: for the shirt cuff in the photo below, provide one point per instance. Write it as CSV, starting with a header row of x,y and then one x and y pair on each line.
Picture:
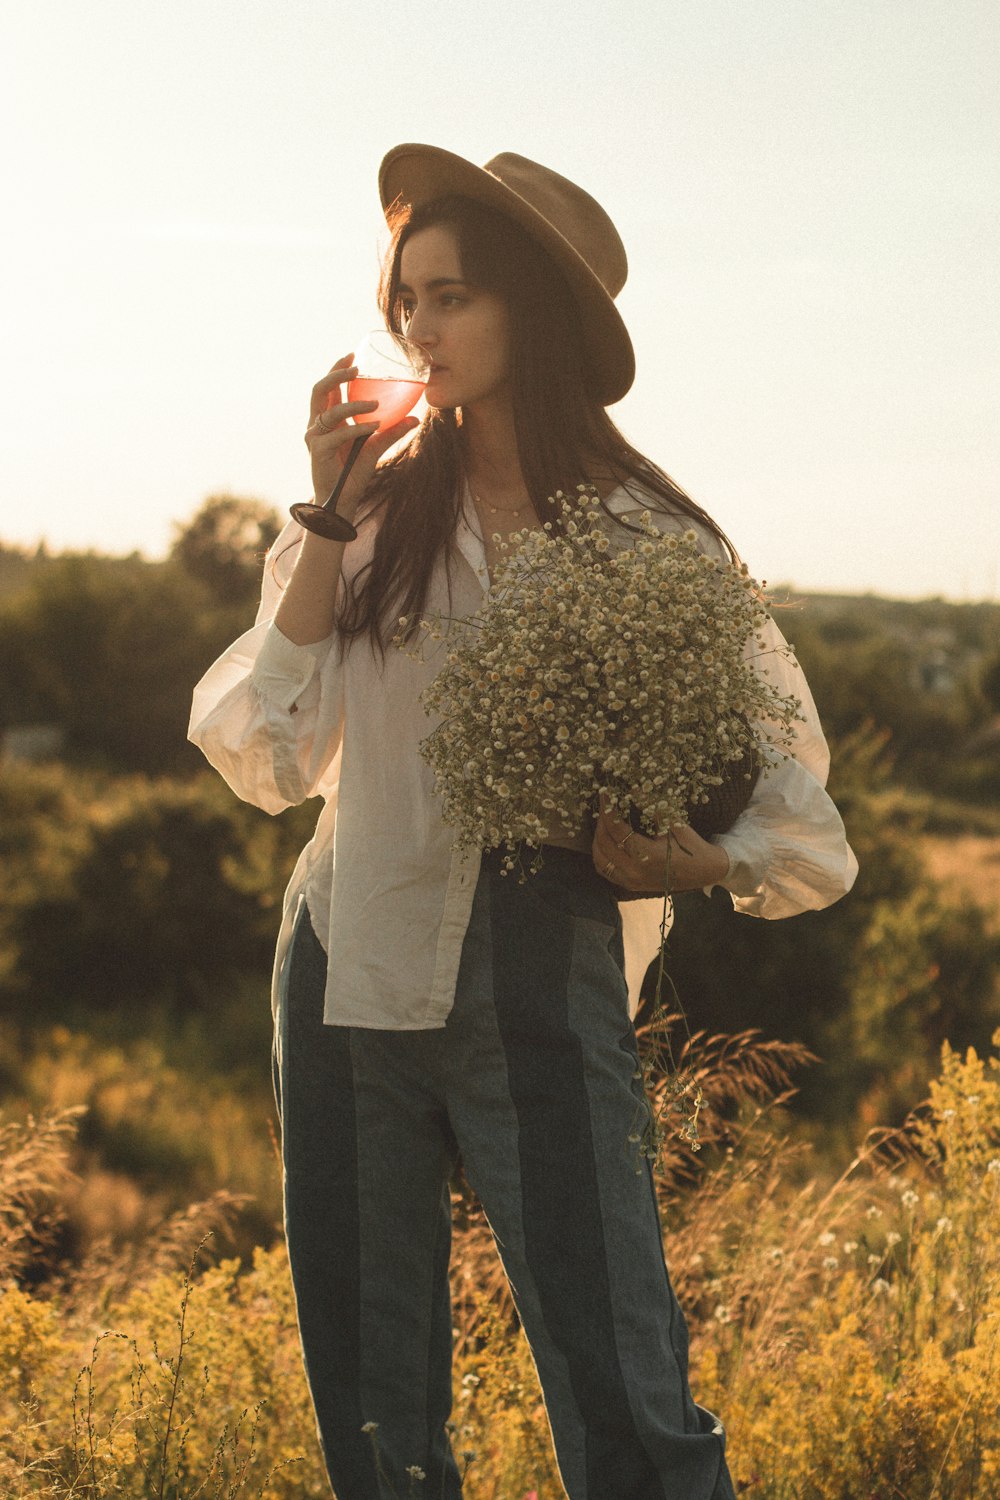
x,y
283,671
747,863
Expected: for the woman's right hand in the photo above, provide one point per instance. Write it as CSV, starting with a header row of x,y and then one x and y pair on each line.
x,y
329,438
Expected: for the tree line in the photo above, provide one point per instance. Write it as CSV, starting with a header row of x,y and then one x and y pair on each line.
x,y
132,879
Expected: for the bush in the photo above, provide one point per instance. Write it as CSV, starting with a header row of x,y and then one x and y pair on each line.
x,y
223,546
118,893
105,651
108,649
873,984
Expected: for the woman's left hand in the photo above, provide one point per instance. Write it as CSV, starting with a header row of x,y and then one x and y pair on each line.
x,y
638,863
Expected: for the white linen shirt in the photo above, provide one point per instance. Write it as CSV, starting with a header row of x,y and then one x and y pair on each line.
x,y
388,896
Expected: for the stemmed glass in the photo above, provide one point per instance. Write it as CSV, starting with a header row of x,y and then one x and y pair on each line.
x,y
392,371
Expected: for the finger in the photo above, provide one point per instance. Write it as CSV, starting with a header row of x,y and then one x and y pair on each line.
x,y
335,418
335,377
613,826
599,843
611,819
683,837
627,841
321,440
387,436
339,411
601,859
598,852
605,848
630,862
610,833
400,429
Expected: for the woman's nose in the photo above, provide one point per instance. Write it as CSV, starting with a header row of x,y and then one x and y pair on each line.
x,y
421,331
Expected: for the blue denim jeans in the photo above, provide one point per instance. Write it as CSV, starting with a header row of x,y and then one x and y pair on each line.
x,y
533,1082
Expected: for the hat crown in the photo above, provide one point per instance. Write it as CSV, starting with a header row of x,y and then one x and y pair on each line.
x,y
571,211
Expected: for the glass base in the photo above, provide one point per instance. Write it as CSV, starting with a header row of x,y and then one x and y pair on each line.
x,y
322,522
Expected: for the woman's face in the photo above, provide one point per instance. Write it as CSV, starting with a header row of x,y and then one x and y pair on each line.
x,y
464,329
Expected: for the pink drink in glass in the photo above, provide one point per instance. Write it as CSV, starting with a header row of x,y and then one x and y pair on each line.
x,y
395,398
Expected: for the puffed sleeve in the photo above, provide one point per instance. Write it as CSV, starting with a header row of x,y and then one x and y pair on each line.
x,y
268,715
788,850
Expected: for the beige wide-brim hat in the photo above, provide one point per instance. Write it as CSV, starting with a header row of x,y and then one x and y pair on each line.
x,y
567,222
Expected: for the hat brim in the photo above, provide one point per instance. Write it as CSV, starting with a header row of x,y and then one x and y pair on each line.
x,y
415,174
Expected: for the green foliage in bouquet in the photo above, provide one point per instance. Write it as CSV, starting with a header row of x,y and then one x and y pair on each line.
x,y
599,662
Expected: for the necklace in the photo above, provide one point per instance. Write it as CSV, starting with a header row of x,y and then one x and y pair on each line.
x,y
499,510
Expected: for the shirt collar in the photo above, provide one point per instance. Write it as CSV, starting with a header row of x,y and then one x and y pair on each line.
x,y
470,543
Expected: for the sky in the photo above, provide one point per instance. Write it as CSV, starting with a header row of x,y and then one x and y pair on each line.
x,y
807,191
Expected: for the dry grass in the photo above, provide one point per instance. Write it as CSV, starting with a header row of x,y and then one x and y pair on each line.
x,y
34,1174
968,864
846,1327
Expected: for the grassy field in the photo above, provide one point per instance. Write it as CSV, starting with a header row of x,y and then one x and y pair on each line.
x,y
847,1329
967,863
842,1287
840,1280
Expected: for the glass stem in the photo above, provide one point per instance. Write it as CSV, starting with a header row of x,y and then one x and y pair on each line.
x,y
349,462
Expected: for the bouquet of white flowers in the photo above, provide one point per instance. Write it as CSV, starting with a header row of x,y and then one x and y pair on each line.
x,y
603,662
596,668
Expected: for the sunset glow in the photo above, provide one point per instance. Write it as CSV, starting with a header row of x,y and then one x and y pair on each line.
x,y
807,196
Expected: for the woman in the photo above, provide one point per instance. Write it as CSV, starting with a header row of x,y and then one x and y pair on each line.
x,y
426,1006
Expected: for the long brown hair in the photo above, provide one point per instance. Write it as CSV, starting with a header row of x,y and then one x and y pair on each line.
x,y
564,435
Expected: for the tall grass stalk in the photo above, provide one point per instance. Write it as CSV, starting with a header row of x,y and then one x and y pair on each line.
x,y
845,1326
